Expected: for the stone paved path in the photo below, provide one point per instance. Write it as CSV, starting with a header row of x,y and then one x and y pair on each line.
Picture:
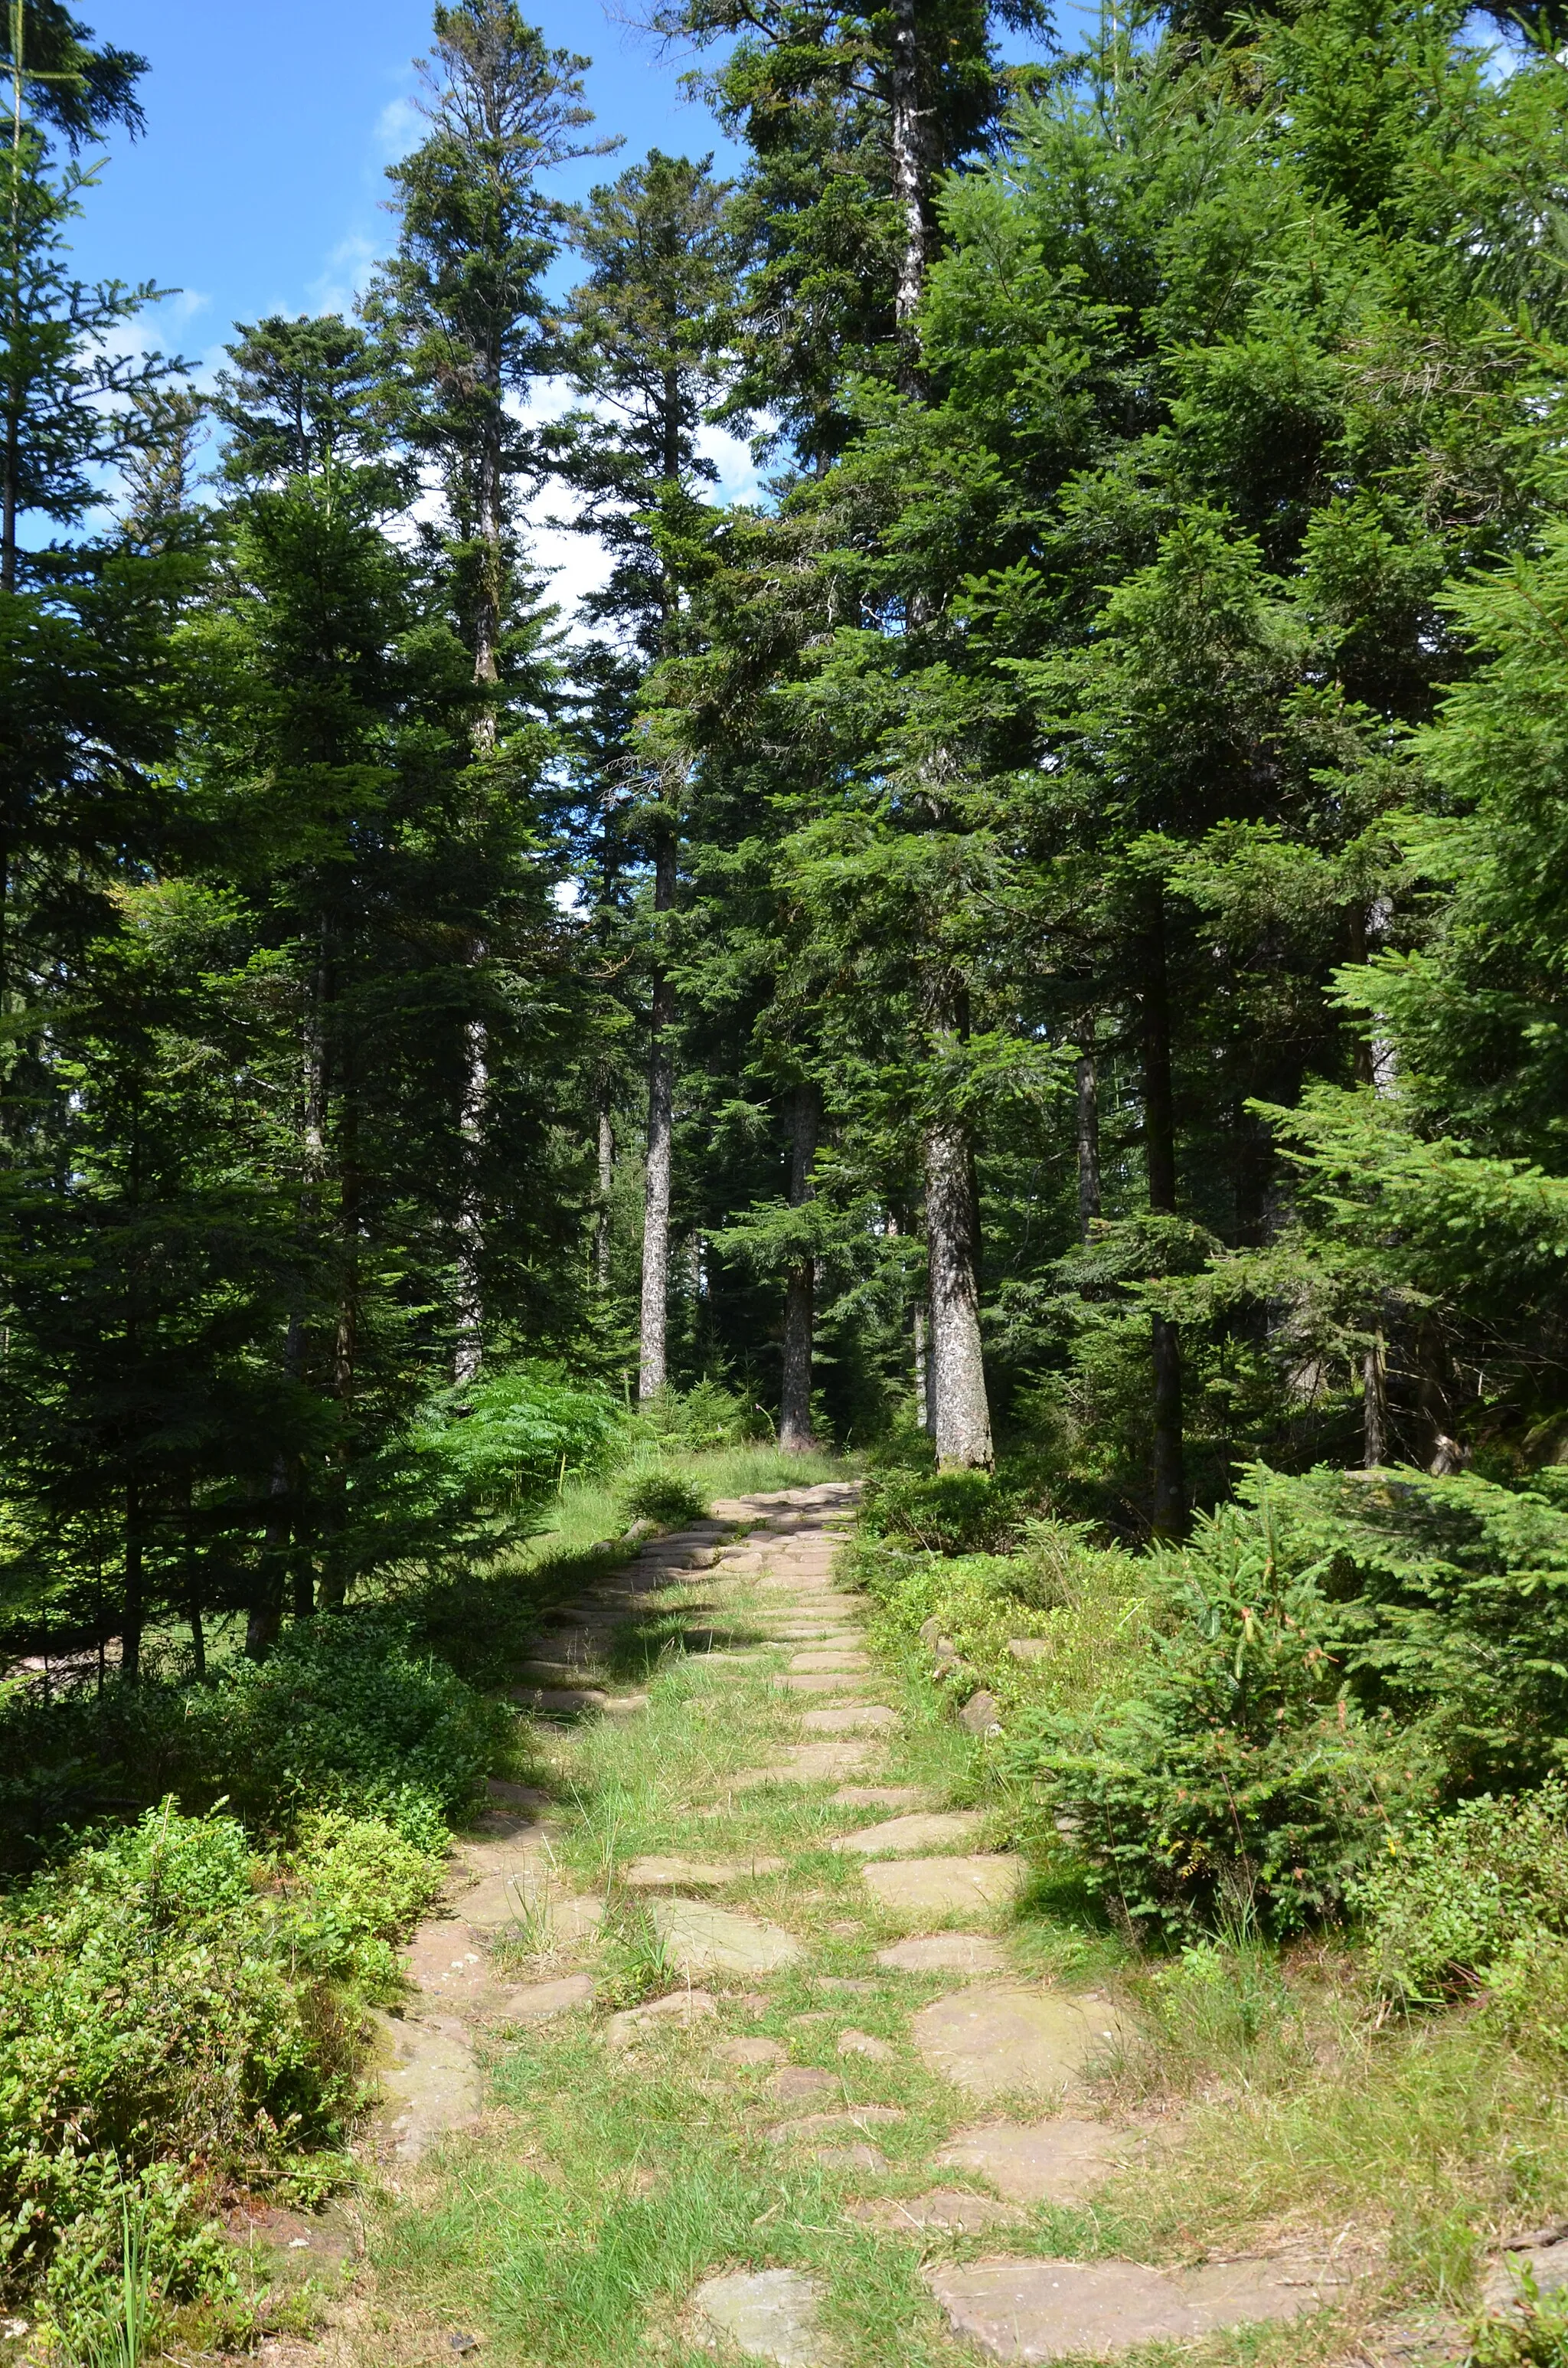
x,y
1009,2060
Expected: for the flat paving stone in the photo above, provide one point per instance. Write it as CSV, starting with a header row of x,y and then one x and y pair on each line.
x,y
558,1702
551,1673
701,1939
766,2314
810,1763
1503,2286
851,2161
446,1961
988,2042
504,1842
679,2008
530,1901
1037,2310
952,2210
747,2051
797,2084
430,2087
865,2043
816,1681
850,1718
504,1794
879,1796
946,1952
1039,2162
819,1632
822,2125
696,1875
542,2002
934,1829
945,1886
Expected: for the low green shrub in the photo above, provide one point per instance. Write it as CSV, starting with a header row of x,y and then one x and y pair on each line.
x,y
504,1443
696,1421
1081,1607
1534,2334
942,1512
360,1883
659,1493
177,2011
1454,1900
347,1715
1451,1606
1232,1770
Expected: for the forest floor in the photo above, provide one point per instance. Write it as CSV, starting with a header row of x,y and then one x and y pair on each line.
x,y
748,2031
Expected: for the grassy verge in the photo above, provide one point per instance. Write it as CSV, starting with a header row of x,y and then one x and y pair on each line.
x,y
1420,2133
187,2019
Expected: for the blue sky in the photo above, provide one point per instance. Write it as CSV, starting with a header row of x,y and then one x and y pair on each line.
x,y
258,185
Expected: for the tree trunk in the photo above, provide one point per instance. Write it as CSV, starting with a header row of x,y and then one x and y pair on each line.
x,y
487,618
1170,1475
652,1371
489,599
469,1354
9,494
924,1405
193,1581
799,1305
264,1619
1374,1406
345,1370
961,1412
909,173
134,1612
607,1186
1089,1136
1159,1153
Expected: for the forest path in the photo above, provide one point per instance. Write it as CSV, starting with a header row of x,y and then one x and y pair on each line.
x,y
727,2040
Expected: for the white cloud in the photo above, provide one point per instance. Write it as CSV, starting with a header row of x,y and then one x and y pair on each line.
x,y
337,285
739,477
399,127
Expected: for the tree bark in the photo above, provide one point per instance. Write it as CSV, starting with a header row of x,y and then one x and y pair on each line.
x,y
925,1407
1169,1508
134,1612
959,1410
956,1370
607,1186
470,1354
1374,1406
1089,1136
910,176
652,1369
799,1304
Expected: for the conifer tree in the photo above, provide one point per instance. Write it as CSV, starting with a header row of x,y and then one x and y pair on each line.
x,y
649,344
463,303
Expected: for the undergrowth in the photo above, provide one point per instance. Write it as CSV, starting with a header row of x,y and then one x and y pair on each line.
x,y
183,2016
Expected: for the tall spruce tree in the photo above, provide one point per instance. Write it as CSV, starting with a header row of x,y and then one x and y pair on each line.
x,y
463,303
649,344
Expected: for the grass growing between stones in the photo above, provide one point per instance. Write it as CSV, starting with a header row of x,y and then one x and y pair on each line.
x,y
609,2182
482,1616
1419,2141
